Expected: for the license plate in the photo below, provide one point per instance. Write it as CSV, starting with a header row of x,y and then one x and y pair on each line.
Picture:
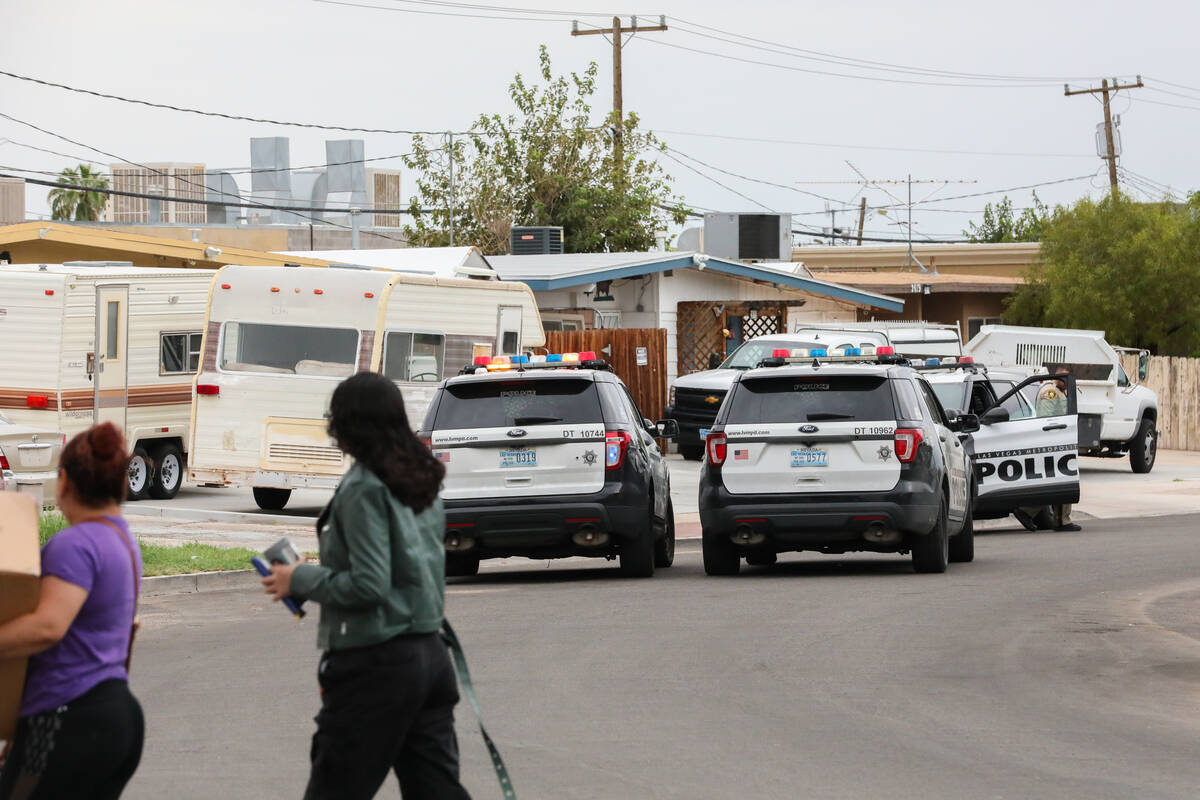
x,y
34,455
810,458
518,458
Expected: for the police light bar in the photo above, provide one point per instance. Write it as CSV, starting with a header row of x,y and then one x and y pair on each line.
x,y
584,360
818,356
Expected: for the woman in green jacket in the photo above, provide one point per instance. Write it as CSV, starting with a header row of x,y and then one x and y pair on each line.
x,y
388,689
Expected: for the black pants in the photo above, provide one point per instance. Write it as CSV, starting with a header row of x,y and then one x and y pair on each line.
x,y
386,707
88,748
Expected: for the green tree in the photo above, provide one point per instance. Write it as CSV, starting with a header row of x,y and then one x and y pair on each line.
x,y
74,204
1001,225
1130,269
545,164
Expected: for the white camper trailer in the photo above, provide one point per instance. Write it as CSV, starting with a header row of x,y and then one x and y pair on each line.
x,y
89,342
279,339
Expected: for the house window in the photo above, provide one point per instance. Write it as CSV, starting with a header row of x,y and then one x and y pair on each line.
x,y
179,353
975,323
414,357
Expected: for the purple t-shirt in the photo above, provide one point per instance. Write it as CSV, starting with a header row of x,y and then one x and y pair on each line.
x,y
91,556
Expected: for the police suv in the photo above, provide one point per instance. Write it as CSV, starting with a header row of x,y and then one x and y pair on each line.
x,y
835,454
1025,450
549,457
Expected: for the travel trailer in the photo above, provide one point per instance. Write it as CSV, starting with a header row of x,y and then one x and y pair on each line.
x,y
277,340
89,342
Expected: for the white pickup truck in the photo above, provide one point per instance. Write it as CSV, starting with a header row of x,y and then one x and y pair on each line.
x,y
1117,416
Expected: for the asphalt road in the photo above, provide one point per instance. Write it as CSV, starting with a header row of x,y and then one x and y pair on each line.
x,y
1055,666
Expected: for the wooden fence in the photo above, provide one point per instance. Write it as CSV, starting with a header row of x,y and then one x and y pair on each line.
x,y
1176,381
638,356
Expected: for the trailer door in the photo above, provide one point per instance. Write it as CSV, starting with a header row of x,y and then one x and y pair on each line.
x,y
111,388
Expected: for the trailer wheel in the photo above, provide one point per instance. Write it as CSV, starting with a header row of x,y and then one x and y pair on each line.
x,y
168,471
269,499
141,475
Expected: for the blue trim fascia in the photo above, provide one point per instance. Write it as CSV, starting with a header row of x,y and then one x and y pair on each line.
x,y
631,271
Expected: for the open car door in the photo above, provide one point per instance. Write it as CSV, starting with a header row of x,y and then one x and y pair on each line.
x,y
1028,458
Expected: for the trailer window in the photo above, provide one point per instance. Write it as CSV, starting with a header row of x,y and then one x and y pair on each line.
x,y
288,349
179,353
411,356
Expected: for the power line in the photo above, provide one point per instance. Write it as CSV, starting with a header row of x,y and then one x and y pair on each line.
x,y
506,18
752,180
717,182
1165,103
995,191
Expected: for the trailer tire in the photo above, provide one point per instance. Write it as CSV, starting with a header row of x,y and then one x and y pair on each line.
x,y
168,471
1143,448
141,475
269,499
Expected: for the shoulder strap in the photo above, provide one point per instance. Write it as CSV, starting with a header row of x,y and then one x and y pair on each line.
x,y
137,582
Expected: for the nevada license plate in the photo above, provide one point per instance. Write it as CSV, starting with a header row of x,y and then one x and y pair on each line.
x,y
810,458
518,458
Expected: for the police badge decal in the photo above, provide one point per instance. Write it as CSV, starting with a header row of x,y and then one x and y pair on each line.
x,y
884,452
589,457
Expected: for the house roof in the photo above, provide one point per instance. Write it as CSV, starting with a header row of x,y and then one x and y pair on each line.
x,y
56,242
560,271
442,262
904,282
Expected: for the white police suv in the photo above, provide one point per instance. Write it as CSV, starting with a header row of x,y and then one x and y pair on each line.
x,y
1026,450
548,457
836,454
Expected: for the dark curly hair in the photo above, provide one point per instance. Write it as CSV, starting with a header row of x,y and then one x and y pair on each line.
x,y
367,420
97,464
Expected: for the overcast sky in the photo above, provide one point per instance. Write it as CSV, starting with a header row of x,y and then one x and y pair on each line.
x,y
391,68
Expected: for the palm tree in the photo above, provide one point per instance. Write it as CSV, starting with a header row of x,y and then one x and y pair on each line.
x,y
75,204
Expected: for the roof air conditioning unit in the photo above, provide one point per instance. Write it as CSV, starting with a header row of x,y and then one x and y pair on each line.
x,y
748,237
535,240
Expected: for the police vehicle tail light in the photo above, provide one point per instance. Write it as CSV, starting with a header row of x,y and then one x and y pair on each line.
x,y
907,442
716,444
616,444
885,351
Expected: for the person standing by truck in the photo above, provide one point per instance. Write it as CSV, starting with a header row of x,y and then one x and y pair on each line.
x,y
1051,401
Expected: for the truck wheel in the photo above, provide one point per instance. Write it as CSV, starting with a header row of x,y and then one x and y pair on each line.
x,y
141,474
931,552
459,565
168,471
691,452
269,499
720,556
664,547
1143,448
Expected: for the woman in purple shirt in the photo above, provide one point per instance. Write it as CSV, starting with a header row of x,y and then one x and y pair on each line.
x,y
80,730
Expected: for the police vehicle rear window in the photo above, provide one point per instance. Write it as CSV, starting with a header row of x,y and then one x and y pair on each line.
x,y
812,399
500,404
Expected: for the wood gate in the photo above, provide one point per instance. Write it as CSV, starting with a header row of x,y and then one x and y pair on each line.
x,y
702,327
638,356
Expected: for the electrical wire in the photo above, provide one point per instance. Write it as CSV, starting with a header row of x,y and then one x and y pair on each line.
x,y
1164,103
717,182
752,180
506,18
1174,94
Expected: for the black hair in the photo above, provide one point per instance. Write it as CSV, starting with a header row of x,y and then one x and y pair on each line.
x,y
368,421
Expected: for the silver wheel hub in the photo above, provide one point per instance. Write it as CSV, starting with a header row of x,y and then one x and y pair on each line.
x,y
169,472
138,470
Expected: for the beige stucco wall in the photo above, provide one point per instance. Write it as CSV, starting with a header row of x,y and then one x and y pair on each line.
x,y
1009,259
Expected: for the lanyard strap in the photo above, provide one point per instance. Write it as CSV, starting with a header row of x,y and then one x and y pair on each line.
x,y
464,678
137,581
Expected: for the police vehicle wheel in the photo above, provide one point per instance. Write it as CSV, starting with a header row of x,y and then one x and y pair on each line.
x,y
637,554
962,545
664,547
691,452
269,499
461,566
1143,448
720,556
931,552
168,472
141,474
762,558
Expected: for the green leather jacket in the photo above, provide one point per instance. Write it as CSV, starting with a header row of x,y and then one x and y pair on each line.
x,y
382,570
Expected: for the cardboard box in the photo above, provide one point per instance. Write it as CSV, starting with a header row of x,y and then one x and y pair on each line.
x,y
20,571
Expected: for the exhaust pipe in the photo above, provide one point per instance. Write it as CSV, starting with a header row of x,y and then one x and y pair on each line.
x,y
878,534
456,543
746,535
588,536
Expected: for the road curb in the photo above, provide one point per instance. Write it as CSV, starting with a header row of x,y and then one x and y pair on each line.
x,y
198,582
200,515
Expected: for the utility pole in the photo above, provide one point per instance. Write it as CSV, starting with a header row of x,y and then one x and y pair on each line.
x,y
862,218
450,138
618,106
1110,146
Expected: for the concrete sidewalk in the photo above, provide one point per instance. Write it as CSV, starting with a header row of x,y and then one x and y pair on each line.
x,y
1109,490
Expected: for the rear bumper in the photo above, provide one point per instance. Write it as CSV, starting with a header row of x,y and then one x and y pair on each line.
x,y
833,522
543,526
262,479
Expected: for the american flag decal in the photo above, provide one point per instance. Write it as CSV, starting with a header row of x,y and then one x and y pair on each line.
x,y
741,455
443,456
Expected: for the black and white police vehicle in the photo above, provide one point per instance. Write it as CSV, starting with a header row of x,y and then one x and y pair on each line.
x,y
1025,451
850,453
549,457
